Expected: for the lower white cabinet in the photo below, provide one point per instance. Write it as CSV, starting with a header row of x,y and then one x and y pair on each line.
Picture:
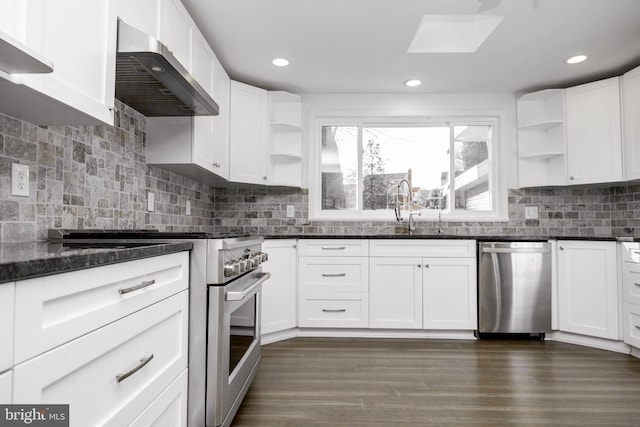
x,y
434,292
109,376
6,325
279,293
169,409
395,293
630,270
588,288
450,293
6,380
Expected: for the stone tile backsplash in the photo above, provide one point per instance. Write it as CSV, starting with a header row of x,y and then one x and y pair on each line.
x,y
97,177
92,177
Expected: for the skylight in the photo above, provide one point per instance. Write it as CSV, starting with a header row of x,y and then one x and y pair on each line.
x,y
453,33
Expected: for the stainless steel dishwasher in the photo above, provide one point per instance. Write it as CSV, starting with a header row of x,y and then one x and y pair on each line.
x,y
514,287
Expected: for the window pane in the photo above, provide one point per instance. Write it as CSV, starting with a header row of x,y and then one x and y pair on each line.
x,y
339,167
390,152
471,144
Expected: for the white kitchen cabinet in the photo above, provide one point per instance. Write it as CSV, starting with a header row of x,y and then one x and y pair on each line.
x,y
125,364
7,291
630,270
145,15
55,309
6,386
279,293
450,293
79,39
169,409
333,281
177,32
285,150
541,140
221,122
594,144
588,288
395,293
423,284
630,92
248,134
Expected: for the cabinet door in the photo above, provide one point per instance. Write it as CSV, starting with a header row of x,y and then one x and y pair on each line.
x,y
588,288
279,305
7,304
169,409
221,94
141,14
6,380
249,131
395,293
203,126
631,123
450,293
79,38
594,146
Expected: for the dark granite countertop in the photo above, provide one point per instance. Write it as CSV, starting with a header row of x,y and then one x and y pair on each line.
x,y
484,238
25,260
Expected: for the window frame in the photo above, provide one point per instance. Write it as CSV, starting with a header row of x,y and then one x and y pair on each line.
x,y
498,187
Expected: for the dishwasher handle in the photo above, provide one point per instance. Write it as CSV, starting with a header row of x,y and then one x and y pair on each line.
x,y
503,250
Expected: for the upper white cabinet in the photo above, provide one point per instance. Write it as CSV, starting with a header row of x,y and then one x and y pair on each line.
x,y
144,15
594,144
285,149
631,123
541,142
221,122
588,288
248,134
177,32
79,39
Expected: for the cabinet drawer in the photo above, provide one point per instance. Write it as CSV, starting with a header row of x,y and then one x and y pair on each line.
x,y
631,324
6,325
423,248
55,309
631,283
333,247
333,274
169,409
83,373
322,311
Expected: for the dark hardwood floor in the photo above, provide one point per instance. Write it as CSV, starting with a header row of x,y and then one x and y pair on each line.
x,y
308,382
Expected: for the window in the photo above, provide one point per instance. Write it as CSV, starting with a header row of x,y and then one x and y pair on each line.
x,y
365,170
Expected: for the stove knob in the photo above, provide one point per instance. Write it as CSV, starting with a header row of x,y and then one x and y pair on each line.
x,y
265,256
231,269
243,265
255,261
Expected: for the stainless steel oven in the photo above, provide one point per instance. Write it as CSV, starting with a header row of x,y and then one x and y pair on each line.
x,y
224,314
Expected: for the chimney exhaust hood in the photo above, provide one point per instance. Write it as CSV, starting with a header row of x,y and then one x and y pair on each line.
x,y
152,81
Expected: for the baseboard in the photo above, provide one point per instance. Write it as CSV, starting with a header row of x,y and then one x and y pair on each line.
x,y
366,333
635,352
601,343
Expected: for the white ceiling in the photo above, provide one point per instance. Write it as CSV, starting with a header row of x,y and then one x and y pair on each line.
x,y
360,46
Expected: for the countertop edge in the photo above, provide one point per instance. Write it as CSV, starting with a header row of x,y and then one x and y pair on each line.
x,y
447,237
38,266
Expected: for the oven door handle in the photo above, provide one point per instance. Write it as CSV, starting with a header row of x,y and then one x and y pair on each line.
x,y
248,291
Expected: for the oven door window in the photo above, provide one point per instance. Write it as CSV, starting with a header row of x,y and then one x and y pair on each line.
x,y
243,332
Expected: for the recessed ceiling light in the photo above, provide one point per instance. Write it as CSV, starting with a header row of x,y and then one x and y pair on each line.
x,y
576,59
280,62
412,83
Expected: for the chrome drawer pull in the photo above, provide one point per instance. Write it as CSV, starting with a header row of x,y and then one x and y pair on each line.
x,y
637,326
144,284
637,284
339,310
334,274
333,248
143,361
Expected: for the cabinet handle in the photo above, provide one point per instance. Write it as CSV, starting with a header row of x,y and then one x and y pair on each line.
x,y
419,265
572,178
294,246
144,284
637,326
215,165
334,274
426,266
339,310
333,248
562,248
143,361
264,177
113,109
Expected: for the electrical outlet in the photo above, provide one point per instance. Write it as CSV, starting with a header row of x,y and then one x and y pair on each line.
x,y
19,180
291,212
530,212
188,207
151,202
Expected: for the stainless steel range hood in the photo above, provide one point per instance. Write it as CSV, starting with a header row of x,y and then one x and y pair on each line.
x,y
151,80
